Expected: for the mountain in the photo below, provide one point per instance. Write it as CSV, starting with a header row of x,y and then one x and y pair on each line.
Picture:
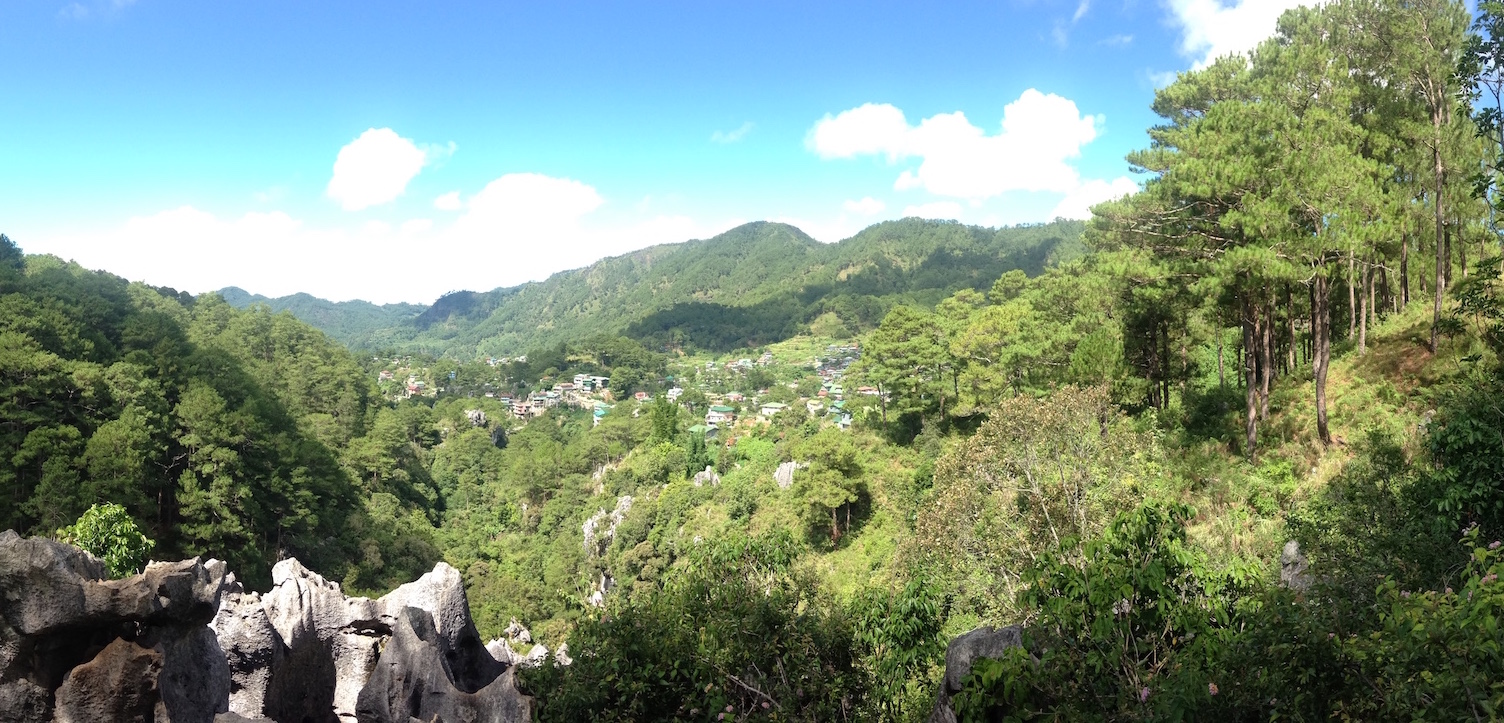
x,y
353,323
756,283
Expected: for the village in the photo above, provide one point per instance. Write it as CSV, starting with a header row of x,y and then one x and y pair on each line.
x,y
721,394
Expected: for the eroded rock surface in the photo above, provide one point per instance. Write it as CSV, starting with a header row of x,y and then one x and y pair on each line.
x,y
184,641
961,653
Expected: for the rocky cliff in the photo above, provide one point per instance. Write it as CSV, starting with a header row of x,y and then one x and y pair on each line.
x,y
185,642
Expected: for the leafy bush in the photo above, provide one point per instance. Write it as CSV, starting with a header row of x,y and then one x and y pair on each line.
x,y
108,533
1135,628
735,631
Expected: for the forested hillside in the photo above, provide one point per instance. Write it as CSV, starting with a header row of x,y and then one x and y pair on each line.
x,y
358,324
755,284
1231,450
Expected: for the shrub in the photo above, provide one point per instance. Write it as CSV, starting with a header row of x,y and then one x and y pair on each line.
x,y
108,533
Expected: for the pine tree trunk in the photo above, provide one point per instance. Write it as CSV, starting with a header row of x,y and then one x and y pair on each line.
x,y
1362,317
1251,394
1266,363
1322,343
1447,277
1221,375
1440,223
1405,269
1290,315
1352,299
1462,252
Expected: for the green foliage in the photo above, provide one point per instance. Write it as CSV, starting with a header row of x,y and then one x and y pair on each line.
x,y
1134,628
735,630
107,532
831,486
1037,475
896,634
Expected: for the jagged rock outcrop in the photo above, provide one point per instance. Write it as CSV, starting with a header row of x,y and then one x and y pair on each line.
x,y
76,646
185,642
600,528
1294,569
965,649
426,675
707,476
784,475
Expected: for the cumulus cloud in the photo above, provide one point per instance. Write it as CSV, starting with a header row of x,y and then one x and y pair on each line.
x,y
518,228
1211,29
449,202
943,210
374,169
732,136
868,206
520,204
1078,203
1040,133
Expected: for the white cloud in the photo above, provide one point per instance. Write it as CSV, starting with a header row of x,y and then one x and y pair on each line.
x,y
732,136
518,228
1078,203
868,206
1081,11
449,202
374,169
519,204
944,210
1039,134
1211,29
1116,40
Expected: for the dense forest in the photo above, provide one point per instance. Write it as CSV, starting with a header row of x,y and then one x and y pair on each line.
x,y
755,284
1231,449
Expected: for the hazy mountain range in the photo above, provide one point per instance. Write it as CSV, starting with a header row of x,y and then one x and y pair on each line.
x,y
756,283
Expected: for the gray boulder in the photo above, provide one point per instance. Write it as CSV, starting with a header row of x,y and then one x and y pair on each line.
x,y
963,651
251,647
424,675
185,642
75,645
118,684
1294,569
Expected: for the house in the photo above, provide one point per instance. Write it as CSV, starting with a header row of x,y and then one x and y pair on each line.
x,y
736,397
641,396
815,407
771,408
385,375
868,391
719,415
703,430
582,380
600,413
675,393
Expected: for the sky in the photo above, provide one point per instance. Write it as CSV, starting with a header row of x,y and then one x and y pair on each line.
x,y
397,151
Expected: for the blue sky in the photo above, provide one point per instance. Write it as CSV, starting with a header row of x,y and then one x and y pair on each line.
x,y
395,151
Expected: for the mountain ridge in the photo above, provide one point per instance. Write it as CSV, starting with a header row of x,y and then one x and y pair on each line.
x,y
754,283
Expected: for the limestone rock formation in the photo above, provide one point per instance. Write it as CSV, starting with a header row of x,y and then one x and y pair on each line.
x,y
784,475
425,674
1294,572
707,476
965,649
75,645
600,528
185,642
